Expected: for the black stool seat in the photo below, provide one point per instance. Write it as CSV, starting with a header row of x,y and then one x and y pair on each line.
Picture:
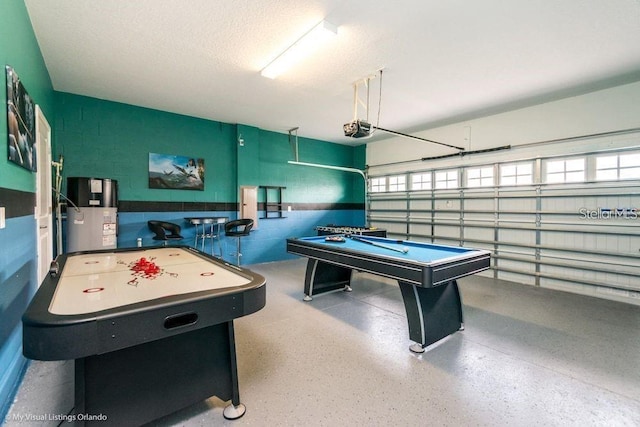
x,y
238,228
160,228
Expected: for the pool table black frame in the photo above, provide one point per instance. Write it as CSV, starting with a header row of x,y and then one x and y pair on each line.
x,y
429,289
142,361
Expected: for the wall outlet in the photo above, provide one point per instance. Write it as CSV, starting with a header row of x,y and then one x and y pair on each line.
x,y
3,224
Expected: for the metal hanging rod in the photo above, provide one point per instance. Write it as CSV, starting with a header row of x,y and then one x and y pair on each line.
x,y
416,137
464,153
294,143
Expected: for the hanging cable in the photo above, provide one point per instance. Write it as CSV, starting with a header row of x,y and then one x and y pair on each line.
x,y
379,106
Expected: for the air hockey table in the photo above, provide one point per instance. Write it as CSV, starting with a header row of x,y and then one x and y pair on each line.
x,y
426,274
150,329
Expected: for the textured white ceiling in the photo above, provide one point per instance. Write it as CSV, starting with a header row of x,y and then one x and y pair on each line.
x,y
442,60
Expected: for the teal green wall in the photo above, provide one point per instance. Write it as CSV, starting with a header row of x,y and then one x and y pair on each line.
x,y
360,162
248,155
263,161
104,139
19,49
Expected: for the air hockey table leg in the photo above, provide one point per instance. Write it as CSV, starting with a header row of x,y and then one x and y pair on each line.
x,y
235,409
232,412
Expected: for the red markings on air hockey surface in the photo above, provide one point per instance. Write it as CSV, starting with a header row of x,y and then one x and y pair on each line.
x,y
147,268
143,268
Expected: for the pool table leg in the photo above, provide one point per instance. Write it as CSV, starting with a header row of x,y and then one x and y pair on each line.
x,y
322,277
432,313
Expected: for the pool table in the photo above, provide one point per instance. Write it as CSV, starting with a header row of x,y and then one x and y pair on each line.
x,y
150,329
426,274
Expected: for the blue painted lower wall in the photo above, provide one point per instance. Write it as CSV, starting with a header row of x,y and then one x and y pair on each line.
x,y
18,273
266,243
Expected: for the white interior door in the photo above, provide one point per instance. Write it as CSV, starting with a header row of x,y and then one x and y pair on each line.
x,y
43,210
249,204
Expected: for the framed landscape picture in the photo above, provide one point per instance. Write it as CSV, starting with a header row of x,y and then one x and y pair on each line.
x,y
21,123
176,172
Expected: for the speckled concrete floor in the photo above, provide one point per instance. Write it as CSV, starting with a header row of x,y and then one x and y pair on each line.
x,y
528,357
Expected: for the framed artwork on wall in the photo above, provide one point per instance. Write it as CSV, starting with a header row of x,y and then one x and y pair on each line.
x,y
176,172
21,123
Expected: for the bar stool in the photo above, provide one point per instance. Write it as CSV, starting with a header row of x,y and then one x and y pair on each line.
x,y
160,229
215,224
238,228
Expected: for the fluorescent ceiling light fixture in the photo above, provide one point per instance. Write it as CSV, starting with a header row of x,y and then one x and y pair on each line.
x,y
301,49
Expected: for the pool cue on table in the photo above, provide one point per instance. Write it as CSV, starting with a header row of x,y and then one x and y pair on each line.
x,y
380,245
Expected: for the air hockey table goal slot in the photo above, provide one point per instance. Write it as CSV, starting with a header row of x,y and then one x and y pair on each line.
x,y
180,320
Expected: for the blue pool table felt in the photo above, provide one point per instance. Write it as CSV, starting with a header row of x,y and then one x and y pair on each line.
x,y
417,251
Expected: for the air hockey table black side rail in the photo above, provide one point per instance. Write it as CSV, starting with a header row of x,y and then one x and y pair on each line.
x,y
139,362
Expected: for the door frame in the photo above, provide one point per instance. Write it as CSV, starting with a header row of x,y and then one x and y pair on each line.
x,y
43,211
